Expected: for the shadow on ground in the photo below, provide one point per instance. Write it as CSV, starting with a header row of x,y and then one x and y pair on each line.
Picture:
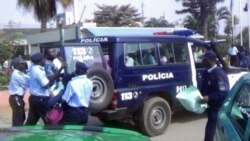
x,y
181,116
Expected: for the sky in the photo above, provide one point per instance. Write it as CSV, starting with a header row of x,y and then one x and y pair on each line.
x,y
9,11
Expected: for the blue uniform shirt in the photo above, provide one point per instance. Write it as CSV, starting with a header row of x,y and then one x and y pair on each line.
x,y
215,85
38,80
78,91
18,83
50,68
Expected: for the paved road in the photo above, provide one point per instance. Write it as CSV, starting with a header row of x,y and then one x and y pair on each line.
x,y
185,126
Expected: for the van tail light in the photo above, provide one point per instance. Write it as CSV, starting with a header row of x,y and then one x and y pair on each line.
x,y
114,100
160,33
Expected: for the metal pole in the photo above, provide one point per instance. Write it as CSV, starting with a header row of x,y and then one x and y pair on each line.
x,y
61,33
240,10
232,14
248,6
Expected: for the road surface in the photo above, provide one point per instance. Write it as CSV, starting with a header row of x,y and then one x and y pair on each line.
x,y
185,126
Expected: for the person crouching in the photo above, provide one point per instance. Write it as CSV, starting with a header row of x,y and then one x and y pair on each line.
x,y
76,97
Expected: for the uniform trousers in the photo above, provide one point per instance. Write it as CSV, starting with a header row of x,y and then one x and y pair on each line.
x,y
38,107
233,60
74,115
212,115
18,113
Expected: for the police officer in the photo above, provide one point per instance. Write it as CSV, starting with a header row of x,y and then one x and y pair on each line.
x,y
39,93
215,86
17,87
76,97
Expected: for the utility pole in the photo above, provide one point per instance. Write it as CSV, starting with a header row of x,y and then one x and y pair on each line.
x,y
142,12
248,5
240,11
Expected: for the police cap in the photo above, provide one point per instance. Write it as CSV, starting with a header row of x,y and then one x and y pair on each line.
x,y
209,55
81,65
18,60
37,57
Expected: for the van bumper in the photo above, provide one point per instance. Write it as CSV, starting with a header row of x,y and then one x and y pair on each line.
x,y
116,114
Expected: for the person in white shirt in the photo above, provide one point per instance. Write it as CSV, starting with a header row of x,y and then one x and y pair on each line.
x,y
76,97
17,87
129,61
233,51
39,90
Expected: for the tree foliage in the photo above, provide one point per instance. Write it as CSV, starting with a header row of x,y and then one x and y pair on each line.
x,y
9,47
245,38
5,51
117,16
43,9
161,22
201,11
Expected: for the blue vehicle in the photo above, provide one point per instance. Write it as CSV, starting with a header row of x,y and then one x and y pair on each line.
x,y
136,78
233,120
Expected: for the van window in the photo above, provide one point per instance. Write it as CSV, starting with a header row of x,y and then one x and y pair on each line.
x,y
148,53
198,52
90,55
139,54
173,53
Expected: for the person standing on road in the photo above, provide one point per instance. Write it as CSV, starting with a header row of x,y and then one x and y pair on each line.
x,y
39,90
233,51
17,87
76,99
215,86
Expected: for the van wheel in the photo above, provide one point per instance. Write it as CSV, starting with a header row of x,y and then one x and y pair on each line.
x,y
155,116
103,88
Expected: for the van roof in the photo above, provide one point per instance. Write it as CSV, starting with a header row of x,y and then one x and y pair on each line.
x,y
147,38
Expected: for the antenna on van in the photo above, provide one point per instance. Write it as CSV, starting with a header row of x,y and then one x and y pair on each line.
x,y
82,13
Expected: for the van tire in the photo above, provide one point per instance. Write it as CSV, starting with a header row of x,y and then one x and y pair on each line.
x,y
103,88
155,116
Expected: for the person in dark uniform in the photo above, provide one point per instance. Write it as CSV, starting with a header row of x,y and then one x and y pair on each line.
x,y
51,70
39,92
215,86
76,99
17,87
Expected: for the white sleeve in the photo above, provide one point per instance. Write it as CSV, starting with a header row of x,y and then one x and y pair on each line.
x,y
42,78
68,93
23,81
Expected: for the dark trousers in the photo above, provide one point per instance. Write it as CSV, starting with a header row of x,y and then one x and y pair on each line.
x,y
38,108
212,116
74,115
18,113
234,60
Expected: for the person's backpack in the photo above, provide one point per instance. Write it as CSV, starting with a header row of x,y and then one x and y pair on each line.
x,y
54,115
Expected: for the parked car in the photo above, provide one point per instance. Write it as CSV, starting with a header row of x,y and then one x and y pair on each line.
x,y
68,133
234,117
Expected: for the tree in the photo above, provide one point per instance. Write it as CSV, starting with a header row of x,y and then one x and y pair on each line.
x,y
245,38
43,9
200,11
191,23
161,22
5,52
213,21
117,16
